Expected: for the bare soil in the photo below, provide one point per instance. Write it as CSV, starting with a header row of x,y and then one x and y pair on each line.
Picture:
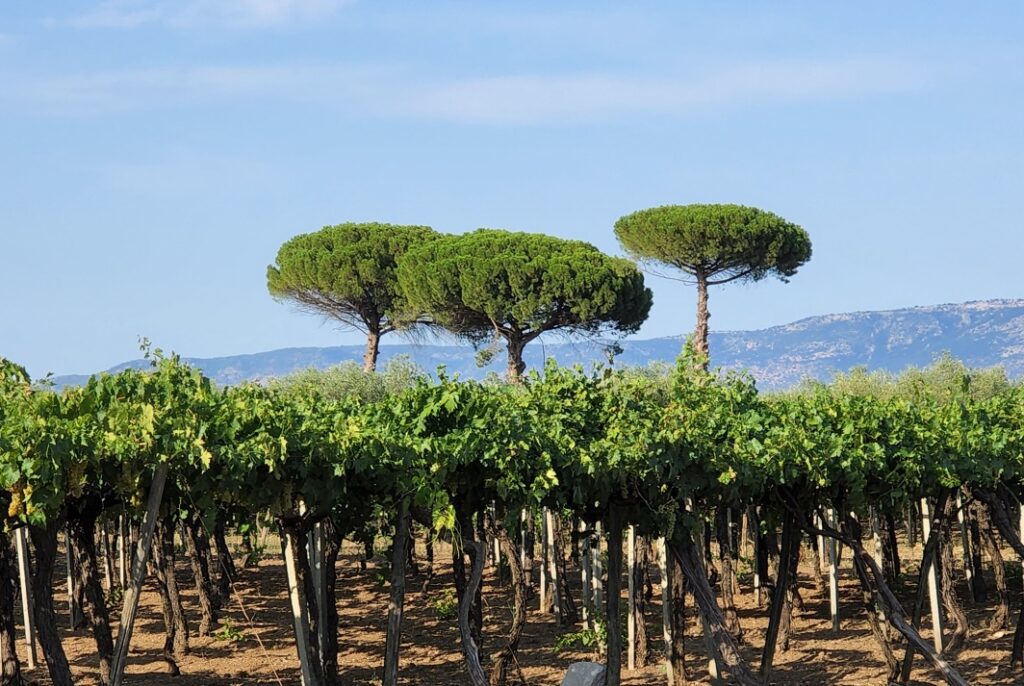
x,y
264,652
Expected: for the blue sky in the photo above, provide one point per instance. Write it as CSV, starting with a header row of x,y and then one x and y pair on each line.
x,y
154,154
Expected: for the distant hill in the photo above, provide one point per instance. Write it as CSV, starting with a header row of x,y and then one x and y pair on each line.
x,y
982,334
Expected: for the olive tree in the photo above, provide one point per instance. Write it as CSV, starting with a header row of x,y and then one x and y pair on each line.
x,y
713,245
346,273
516,286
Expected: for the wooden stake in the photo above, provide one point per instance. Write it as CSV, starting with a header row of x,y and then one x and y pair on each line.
x,y
122,562
108,572
527,573
933,582
966,545
666,608
585,569
822,554
1021,532
73,611
300,621
597,574
755,544
131,595
544,559
631,614
833,574
556,594
497,549
21,543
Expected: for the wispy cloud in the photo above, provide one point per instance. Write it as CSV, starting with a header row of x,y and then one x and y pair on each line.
x,y
405,92
126,14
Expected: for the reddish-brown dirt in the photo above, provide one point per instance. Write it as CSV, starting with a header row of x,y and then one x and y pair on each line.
x,y
431,655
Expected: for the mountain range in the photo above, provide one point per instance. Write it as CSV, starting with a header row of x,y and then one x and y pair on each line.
x,y
982,333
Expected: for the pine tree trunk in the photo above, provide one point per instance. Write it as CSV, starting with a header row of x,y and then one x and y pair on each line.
x,y
700,334
372,350
516,366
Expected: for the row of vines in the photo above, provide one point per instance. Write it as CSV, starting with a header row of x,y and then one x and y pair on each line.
x,y
683,462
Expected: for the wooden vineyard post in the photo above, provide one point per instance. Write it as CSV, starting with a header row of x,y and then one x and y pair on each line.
x,y
755,542
966,545
315,555
131,595
544,559
585,570
933,582
522,547
122,562
666,608
21,543
631,611
833,574
823,556
299,619
1021,532
108,572
597,572
75,617
876,536
494,540
549,527
744,533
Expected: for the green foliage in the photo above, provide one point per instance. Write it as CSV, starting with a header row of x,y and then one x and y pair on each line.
x,y
348,380
520,285
721,243
346,272
586,639
114,596
658,448
228,632
445,605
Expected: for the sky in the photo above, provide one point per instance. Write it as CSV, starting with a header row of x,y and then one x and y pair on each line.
x,y
154,154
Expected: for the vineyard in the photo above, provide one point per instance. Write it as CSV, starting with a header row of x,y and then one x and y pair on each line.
x,y
577,490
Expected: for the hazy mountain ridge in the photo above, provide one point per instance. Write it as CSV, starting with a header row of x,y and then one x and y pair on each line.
x,y
981,333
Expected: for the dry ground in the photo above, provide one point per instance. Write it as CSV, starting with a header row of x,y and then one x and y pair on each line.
x,y
431,655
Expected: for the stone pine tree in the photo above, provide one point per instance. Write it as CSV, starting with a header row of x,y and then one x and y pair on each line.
x,y
713,245
516,286
346,273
